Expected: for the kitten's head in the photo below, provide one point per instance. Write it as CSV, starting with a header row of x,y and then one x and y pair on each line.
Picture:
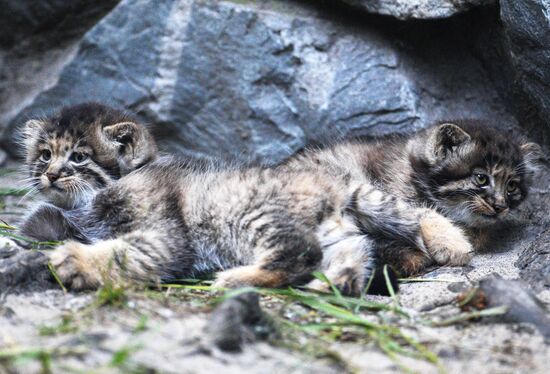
x,y
82,149
475,173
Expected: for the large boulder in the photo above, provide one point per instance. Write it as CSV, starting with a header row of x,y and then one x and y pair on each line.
x,y
49,20
527,38
534,258
418,9
534,262
37,39
259,80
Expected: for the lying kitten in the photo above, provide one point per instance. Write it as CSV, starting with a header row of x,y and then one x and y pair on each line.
x,y
82,149
467,171
325,210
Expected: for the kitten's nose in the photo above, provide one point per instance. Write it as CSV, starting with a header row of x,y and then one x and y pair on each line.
x,y
52,176
499,207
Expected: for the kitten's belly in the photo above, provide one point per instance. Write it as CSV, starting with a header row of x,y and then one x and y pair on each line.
x,y
209,258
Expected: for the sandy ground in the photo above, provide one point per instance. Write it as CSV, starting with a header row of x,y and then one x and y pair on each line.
x,y
163,331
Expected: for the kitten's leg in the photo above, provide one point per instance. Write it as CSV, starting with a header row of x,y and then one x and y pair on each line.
x,y
346,264
446,243
84,266
387,216
443,244
50,223
383,215
139,256
404,259
283,257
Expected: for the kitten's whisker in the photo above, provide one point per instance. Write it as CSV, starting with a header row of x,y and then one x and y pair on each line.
x,y
31,192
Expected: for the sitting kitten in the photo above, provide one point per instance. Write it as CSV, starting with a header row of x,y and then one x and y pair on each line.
x,y
72,155
82,149
326,210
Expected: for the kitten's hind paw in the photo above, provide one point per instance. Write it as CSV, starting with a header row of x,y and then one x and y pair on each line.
x,y
445,242
75,268
348,281
250,276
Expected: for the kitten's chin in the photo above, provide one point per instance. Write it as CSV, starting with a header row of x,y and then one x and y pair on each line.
x,y
480,220
59,197
467,218
66,200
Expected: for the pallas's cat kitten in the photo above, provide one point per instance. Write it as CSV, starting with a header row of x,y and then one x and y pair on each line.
x,y
82,149
333,210
470,172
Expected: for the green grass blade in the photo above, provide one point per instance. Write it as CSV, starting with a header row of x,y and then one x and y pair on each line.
x,y
462,317
390,286
56,277
8,191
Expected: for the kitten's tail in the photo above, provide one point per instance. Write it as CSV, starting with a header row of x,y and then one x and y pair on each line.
x,y
382,215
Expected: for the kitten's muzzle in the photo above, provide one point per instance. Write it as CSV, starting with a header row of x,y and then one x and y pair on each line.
x,y
52,177
486,209
497,211
54,183
500,208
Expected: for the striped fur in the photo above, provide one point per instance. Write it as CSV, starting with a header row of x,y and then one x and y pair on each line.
x,y
341,210
82,149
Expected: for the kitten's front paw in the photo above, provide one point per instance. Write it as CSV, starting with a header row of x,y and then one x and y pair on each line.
x,y
445,242
74,267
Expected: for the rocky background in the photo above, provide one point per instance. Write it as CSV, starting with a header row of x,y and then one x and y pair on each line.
x,y
258,80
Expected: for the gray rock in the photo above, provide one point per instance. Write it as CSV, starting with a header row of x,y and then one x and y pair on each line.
x,y
526,28
235,321
520,303
56,19
257,81
24,267
534,262
418,9
37,39
534,258
8,251
457,287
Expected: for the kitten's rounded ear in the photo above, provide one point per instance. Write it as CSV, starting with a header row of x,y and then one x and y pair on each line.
x,y
122,132
532,155
135,144
31,127
29,134
445,138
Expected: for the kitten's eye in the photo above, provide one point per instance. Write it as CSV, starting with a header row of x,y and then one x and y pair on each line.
x,y
481,180
512,187
46,155
79,157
